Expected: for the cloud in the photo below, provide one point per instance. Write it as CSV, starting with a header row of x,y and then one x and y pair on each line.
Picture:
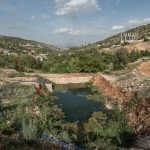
x,y
74,8
134,23
137,22
146,20
117,27
73,32
63,30
131,24
70,31
41,16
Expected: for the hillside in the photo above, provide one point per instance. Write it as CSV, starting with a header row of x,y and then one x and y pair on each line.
x,y
18,45
143,31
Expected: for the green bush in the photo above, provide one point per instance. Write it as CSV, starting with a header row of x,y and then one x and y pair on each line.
x,y
120,59
134,56
20,62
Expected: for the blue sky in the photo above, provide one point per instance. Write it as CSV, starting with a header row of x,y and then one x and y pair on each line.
x,y
71,22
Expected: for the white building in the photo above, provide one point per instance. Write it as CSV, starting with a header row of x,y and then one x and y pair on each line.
x,y
129,37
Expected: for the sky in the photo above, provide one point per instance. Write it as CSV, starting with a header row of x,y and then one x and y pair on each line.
x,y
71,22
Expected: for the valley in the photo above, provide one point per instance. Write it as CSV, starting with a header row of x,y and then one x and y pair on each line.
x,y
86,97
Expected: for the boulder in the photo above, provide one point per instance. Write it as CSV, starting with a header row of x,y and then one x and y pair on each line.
x,y
49,87
37,86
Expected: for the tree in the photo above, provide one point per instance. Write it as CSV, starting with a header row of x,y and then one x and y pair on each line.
x,y
120,59
46,67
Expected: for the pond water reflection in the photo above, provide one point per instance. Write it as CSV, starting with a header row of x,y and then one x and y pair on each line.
x,y
76,106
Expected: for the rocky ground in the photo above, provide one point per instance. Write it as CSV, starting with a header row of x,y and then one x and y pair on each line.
x,y
138,108
140,46
136,83
142,143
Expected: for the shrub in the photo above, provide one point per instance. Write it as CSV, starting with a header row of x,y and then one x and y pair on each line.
x,y
120,59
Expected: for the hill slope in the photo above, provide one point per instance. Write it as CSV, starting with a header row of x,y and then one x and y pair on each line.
x,y
18,45
143,31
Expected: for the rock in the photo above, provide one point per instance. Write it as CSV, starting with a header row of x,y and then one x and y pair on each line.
x,y
49,87
138,115
39,89
133,118
139,128
37,86
109,106
36,111
136,83
42,92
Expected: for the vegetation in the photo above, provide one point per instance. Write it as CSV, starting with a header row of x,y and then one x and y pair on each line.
x,y
75,62
27,114
91,61
95,94
20,46
78,62
114,132
120,59
23,63
135,55
24,115
88,59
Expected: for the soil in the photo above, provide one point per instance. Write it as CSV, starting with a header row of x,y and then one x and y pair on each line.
x,y
109,89
139,46
145,68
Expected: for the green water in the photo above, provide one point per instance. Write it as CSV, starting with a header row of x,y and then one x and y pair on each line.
x,y
76,106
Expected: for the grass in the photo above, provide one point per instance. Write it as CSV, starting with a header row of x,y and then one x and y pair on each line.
x,y
23,100
17,94
18,115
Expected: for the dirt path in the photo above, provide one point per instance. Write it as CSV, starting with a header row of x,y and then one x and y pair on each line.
x,y
56,78
145,68
59,78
